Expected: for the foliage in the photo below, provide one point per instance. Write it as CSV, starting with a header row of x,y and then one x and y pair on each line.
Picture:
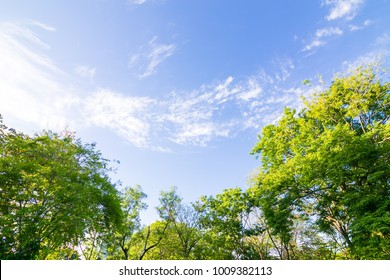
x,y
149,243
225,219
330,163
236,228
53,190
177,235
131,204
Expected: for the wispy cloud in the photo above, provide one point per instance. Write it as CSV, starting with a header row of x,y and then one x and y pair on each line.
x,y
85,71
199,134
147,60
223,90
42,25
284,67
125,115
191,118
320,34
136,2
342,9
32,87
227,107
253,91
314,44
383,40
330,31
366,23
380,53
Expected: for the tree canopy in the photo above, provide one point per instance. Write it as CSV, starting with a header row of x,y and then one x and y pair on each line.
x,y
331,163
322,192
54,192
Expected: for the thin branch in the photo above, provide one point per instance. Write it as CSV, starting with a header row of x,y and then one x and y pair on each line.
x,y
146,249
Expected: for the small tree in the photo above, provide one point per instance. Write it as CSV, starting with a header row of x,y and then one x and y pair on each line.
x,y
132,204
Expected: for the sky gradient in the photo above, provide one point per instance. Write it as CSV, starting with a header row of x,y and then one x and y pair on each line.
x,y
177,91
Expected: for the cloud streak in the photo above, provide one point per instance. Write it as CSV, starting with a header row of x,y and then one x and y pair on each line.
x,y
320,34
327,32
136,2
314,44
365,24
146,61
32,87
85,71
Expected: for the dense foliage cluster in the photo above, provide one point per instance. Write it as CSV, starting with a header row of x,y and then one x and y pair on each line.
x,y
322,192
330,165
54,194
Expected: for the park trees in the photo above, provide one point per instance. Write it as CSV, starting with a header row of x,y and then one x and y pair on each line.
x,y
235,226
329,164
225,220
54,192
177,234
322,192
122,238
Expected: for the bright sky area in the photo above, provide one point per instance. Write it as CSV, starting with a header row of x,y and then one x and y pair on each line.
x,y
176,90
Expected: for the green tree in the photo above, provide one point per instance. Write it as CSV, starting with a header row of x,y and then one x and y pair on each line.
x,y
53,191
147,243
176,235
330,164
226,221
187,228
122,238
153,235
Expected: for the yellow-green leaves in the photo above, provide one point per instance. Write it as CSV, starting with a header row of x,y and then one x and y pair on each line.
x,y
335,156
55,192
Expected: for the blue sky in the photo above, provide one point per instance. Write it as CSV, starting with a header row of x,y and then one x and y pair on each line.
x,y
177,91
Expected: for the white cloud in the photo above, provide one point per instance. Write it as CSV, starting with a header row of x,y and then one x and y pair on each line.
x,y
136,2
43,25
31,86
383,40
149,59
199,134
228,107
222,90
346,9
284,68
314,44
188,119
365,24
330,31
369,58
252,92
85,71
19,34
125,115
319,35
379,54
